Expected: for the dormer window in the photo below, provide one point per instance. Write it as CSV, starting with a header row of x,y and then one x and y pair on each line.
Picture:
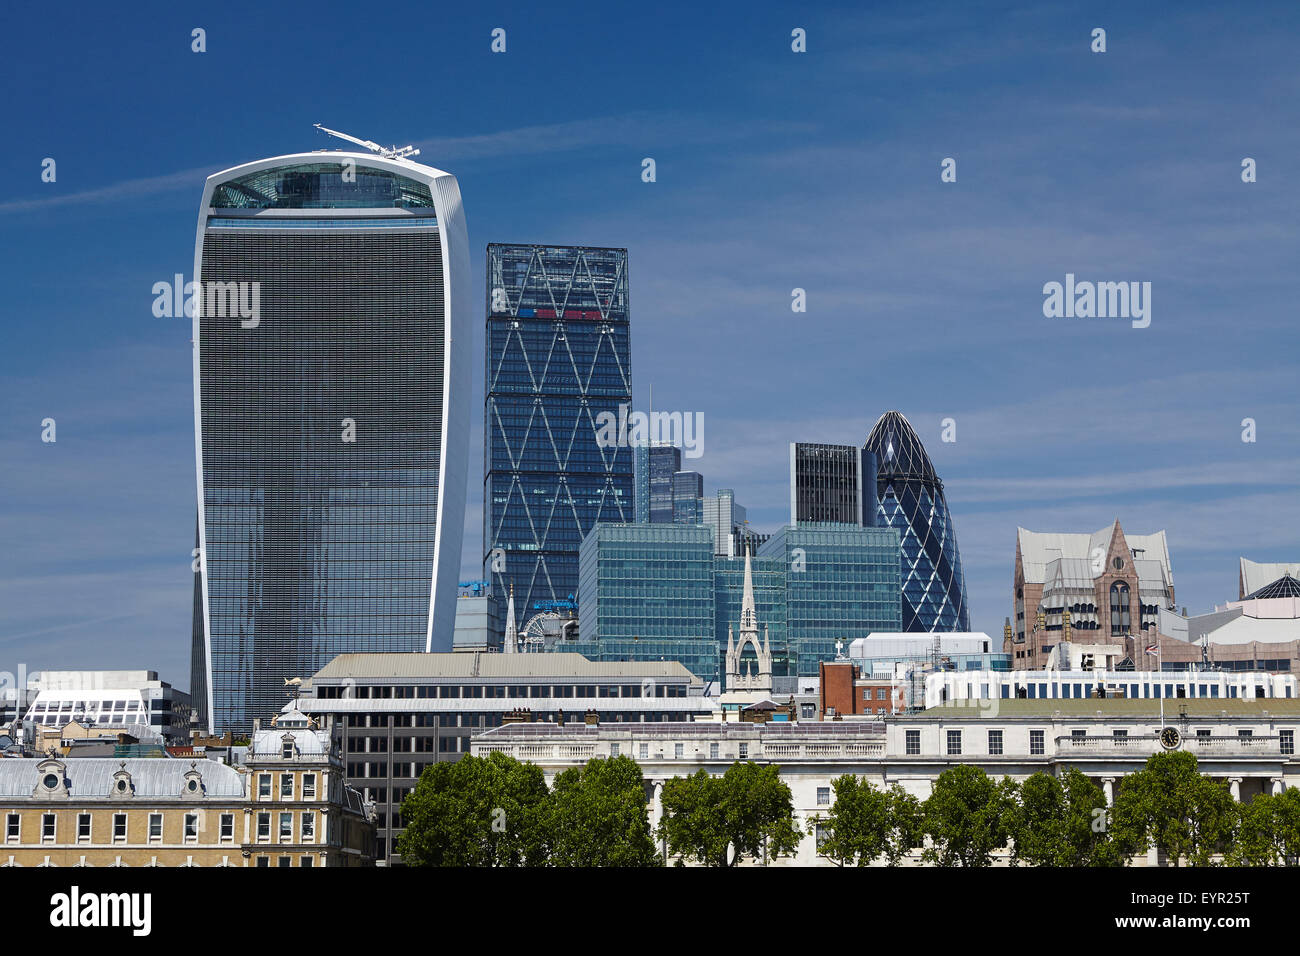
x,y
51,781
287,750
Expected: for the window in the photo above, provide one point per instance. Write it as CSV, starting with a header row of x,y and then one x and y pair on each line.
x,y
1245,734
119,828
954,742
13,827
913,738
284,861
155,826
308,827
1119,734
1287,740
286,827
995,742
286,786
644,751
744,751
264,786
1119,608
613,750
227,827
263,826
309,783
822,835
83,827
191,827
1036,738
713,750
263,861
1078,734
286,751
49,827
679,751
823,796
882,694
307,861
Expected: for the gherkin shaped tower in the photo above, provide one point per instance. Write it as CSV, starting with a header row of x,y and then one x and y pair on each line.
x,y
909,497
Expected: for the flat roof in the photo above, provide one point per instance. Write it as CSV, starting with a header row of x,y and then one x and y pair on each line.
x,y
1116,707
551,666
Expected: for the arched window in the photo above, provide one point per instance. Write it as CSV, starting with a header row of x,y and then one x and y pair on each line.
x,y
1119,614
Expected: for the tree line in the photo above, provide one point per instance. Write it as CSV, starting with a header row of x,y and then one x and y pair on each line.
x,y
497,811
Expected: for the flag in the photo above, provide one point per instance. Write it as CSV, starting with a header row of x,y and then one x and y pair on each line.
x,y
1151,648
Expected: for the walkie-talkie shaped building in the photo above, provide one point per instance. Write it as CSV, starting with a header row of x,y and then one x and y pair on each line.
x,y
331,425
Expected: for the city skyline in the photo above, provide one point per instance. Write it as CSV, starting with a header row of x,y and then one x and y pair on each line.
x,y
1119,167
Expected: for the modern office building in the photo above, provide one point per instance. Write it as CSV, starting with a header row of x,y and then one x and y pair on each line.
x,y
827,482
557,360
647,594
658,592
842,583
688,497
331,390
402,712
655,466
732,536
480,621
910,497
1104,588
134,702
1265,580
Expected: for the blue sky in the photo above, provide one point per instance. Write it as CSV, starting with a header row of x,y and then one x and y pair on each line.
x,y
775,170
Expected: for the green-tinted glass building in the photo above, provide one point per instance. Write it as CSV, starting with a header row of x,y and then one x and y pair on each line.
x,y
645,592
657,592
842,582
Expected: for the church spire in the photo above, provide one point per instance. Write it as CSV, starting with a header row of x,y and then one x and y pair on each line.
x,y
512,632
748,616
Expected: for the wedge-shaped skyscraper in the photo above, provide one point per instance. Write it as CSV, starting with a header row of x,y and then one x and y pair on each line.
x,y
331,389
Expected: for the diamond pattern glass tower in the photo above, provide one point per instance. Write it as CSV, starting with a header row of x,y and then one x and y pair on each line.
x,y
557,357
331,426
910,498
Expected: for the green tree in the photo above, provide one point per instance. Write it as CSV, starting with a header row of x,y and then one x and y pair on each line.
x,y
718,821
966,817
478,811
866,823
1171,806
1055,823
1268,831
598,816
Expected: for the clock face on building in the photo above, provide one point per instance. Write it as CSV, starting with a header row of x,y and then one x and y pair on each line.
x,y
1169,738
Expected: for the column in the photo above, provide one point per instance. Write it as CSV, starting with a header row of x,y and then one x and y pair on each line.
x,y
1277,786
1234,784
1108,786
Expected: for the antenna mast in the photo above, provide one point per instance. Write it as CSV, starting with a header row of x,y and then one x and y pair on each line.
x,y
392,152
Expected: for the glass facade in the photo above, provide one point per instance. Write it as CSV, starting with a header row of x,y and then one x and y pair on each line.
x,y
842,583
646,593
662,463
557,358
769,579
321,430
656,592
910,498
688,497
827,481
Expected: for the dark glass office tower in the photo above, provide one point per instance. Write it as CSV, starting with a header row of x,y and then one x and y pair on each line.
x,y
331,413
557,358
909,497
827,482
662,463
688,497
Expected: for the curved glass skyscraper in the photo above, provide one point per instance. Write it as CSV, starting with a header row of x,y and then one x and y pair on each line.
x,y
909,497
331,389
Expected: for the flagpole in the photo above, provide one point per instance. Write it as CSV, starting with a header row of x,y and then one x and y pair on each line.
x,y
1159,671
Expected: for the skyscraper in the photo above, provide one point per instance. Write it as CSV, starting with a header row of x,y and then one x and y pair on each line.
x,y
655,466
557,360
909,497
827,482
688,497
331,420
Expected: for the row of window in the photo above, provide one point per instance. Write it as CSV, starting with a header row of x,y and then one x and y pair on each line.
x,y
1037,740
286,790
479,691
191,826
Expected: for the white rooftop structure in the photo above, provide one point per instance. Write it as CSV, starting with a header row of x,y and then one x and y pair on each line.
x,y
1069,559
1255,575
899,645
